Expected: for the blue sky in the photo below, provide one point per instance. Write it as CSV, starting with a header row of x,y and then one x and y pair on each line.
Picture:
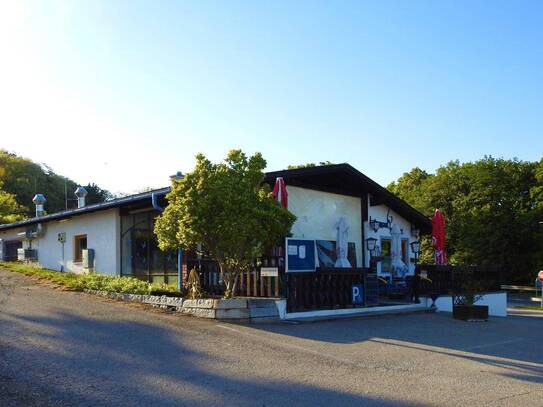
x,y
124,93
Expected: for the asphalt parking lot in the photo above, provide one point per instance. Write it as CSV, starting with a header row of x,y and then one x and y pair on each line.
x,y
69,348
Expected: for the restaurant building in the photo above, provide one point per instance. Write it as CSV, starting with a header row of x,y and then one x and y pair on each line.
x,y
341,215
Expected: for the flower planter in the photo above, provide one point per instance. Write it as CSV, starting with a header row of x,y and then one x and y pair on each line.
x,y
470,312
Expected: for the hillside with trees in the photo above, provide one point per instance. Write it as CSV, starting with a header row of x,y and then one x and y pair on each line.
x,y
493,209
21,178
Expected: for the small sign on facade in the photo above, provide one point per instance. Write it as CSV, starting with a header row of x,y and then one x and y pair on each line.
x,y
358,294
62,237
269,272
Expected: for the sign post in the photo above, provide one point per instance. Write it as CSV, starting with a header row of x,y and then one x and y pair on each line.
x,y
540,276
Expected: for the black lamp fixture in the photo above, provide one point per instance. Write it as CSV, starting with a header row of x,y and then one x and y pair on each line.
x,y
370,244
376,224
415,248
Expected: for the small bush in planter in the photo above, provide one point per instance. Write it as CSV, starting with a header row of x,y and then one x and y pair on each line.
x,y
464,300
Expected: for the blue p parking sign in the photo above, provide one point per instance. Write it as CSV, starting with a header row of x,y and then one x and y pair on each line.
x,y
358,297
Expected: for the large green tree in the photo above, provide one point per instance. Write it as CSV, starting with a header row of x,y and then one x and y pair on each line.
x,y
23,178
227,209
10,210
492,208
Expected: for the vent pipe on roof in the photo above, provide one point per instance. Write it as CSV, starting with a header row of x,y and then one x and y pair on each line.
x,y
39,200
81,193
177,176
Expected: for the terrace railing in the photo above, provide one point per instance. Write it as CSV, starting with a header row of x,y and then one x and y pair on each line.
x,y
250,284
322,289
444,279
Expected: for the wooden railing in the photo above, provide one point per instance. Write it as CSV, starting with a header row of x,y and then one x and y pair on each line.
x,y
252,284
323,289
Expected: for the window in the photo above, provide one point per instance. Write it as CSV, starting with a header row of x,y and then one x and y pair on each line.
x,y
386,252
80,244
405,251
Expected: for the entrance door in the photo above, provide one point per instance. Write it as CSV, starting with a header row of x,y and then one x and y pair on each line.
x,y
10,249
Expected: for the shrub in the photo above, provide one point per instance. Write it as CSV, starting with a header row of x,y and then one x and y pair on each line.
x,y
165,289
99,282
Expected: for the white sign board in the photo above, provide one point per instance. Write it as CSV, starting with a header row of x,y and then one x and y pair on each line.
x,y
269,272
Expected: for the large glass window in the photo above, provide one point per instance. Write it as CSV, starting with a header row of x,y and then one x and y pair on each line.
x,y
141,257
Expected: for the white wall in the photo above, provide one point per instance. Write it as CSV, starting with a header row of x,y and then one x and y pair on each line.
x,y
103,235
497,303
379,212
317,213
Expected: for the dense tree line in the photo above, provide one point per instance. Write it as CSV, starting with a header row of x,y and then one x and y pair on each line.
x,y
493,209
21,179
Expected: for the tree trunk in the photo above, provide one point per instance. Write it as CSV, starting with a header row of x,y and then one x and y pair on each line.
x,y
230,279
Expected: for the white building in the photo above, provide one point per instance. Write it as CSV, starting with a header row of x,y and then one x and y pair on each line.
x,y
119,233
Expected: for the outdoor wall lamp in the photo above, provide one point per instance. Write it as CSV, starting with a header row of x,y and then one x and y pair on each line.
x,y
376,224
370,244
415,247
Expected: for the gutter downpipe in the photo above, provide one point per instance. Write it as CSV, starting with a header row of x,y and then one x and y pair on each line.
x,y
155,202
179,250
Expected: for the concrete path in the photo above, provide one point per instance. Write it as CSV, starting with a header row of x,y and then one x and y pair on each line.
x,y
67,348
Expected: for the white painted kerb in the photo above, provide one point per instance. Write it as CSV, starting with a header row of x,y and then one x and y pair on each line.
x,y
351,311
497,303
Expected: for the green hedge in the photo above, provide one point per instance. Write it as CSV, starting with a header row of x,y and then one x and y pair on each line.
x,y
127,285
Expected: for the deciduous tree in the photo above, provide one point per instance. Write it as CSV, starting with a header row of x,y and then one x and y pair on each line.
x,y
226,208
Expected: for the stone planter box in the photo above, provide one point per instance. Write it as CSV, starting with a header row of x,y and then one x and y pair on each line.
x,y
470,312
234,309
158,300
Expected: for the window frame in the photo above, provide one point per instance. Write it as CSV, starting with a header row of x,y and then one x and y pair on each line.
x,y
405,255
386,259
78,250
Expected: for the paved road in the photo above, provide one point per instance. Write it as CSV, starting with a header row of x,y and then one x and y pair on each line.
x,y
67,348
522,300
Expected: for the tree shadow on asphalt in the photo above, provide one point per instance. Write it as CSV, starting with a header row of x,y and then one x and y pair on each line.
x,y
510,343
66,359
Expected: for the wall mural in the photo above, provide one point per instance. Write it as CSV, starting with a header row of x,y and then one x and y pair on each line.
x,y
327,253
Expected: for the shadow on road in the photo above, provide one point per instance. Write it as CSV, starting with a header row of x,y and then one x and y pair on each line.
x,y
510,343
66,358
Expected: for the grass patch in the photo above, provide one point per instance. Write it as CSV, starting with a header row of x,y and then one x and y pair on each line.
x,y
93,281
530,307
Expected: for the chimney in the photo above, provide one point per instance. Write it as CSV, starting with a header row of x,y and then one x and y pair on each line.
x,y
177,176
81,193
39,200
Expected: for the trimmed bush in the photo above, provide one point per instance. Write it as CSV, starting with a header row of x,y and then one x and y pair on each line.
x,y
100,282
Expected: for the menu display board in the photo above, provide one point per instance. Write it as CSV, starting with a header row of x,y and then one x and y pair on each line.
x,y
301,255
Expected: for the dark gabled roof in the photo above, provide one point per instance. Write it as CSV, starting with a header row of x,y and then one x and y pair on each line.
x,y
114,203
347,180
337,178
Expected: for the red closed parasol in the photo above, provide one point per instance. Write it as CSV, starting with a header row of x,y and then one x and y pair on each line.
x,y
438,237
280,192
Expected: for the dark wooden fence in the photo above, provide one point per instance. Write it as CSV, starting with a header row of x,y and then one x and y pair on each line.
x,y
250,284
444,279
322,289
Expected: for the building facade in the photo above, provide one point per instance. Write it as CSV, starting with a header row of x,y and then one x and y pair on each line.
x,y
119,235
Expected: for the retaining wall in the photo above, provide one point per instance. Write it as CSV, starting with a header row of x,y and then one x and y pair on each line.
x,y
497,303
